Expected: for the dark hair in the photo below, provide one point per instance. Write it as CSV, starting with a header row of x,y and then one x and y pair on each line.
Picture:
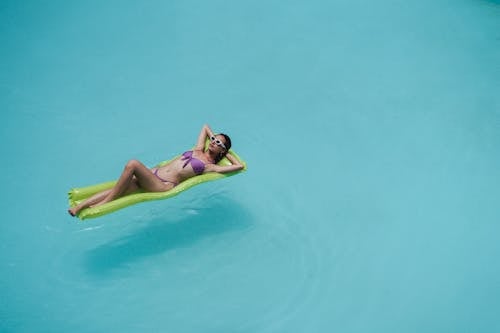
x,y
228,146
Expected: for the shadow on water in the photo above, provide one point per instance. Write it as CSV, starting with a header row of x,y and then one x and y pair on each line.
x,y
165,234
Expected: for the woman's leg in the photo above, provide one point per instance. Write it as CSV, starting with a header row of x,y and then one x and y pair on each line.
x,y
96,198
135,175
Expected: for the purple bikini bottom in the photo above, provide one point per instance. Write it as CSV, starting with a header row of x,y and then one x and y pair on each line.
x,y
155,172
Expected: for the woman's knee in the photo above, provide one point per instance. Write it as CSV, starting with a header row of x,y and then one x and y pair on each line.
x,y
132,164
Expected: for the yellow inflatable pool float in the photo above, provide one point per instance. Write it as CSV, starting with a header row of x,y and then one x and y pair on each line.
x,y
77,195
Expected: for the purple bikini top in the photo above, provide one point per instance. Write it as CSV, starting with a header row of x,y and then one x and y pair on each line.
x,y
198,165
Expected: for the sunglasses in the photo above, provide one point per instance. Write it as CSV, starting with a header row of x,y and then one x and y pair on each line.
x,y
217,141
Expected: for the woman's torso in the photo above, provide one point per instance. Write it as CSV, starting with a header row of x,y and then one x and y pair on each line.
x,y
189,164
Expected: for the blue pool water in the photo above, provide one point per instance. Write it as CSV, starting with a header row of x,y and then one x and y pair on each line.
x,y
372,135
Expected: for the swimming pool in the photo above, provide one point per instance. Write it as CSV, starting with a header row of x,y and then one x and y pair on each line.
x,y
371,134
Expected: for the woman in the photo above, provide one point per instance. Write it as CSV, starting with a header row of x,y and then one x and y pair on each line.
x,y
136,176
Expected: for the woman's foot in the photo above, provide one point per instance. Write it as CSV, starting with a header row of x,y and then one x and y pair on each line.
x,y
72,211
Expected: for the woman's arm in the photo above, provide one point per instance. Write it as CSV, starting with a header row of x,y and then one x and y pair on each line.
x,y
235,165
205,133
